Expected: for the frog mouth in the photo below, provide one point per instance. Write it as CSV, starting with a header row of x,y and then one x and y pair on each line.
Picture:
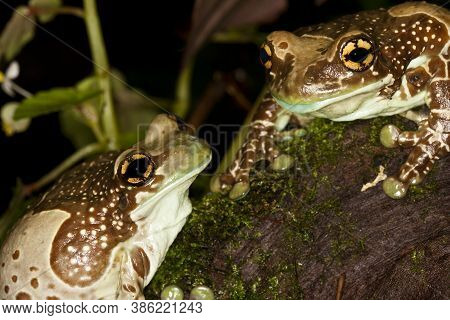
x,y
303,108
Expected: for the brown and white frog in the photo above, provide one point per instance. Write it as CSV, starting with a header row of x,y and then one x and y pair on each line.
x,y
104,228
360,66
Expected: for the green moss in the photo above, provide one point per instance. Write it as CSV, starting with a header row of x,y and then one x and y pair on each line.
x,y
234,286
424,189
417,260
315,148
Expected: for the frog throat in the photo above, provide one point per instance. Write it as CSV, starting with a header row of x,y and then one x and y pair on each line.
x,y
305,108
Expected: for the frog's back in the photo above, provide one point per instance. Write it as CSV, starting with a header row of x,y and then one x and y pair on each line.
x,y
380,23
421,8
67,243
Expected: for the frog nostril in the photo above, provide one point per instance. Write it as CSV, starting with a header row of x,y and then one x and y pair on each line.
x,y
123,201
182,126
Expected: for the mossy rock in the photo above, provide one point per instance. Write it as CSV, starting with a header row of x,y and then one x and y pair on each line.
x,y
300,231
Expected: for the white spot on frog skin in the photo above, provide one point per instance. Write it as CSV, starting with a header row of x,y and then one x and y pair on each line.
x,y
83,232
104,245
86,248
73,261
103,227
71,249
91,220
91,209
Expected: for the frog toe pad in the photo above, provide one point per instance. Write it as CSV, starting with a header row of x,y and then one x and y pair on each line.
x,y
389,136
239,190
282,162
395,188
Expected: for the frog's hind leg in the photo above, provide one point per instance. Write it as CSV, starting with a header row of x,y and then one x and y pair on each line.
x,y
428,148
430,142
259,144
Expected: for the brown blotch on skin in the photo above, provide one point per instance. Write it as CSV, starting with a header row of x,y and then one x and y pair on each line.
x,y
140,261
129,288
52,298
23,296
3,265
34,283
51,286
14,278
33,269
6,289
283,45
417,77
91,194
16,255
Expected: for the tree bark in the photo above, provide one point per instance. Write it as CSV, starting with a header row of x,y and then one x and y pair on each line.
x,y
310,233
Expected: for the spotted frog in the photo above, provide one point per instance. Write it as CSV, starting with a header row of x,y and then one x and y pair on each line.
x,y
104,228
360,66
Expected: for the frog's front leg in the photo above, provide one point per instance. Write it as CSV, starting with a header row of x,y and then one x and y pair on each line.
x,y
264,130
430,142
135,267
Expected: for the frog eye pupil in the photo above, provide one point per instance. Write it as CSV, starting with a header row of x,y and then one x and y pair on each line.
x,y
137,169
265,56
358,55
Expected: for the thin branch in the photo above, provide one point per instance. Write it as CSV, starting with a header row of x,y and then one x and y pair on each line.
x,y
74,11
102,70
183,91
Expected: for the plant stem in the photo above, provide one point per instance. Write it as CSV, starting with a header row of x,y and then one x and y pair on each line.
x,y
63,166
183,90
74,11
102,70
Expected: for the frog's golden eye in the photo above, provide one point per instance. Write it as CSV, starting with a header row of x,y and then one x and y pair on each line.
x,y
264,56
357,54
137,169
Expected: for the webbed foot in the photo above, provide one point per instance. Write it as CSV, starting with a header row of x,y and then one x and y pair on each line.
x,y
428,145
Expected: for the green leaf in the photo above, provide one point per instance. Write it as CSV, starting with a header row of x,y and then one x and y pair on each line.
x,y
74,128
47,7
17,33
53,100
